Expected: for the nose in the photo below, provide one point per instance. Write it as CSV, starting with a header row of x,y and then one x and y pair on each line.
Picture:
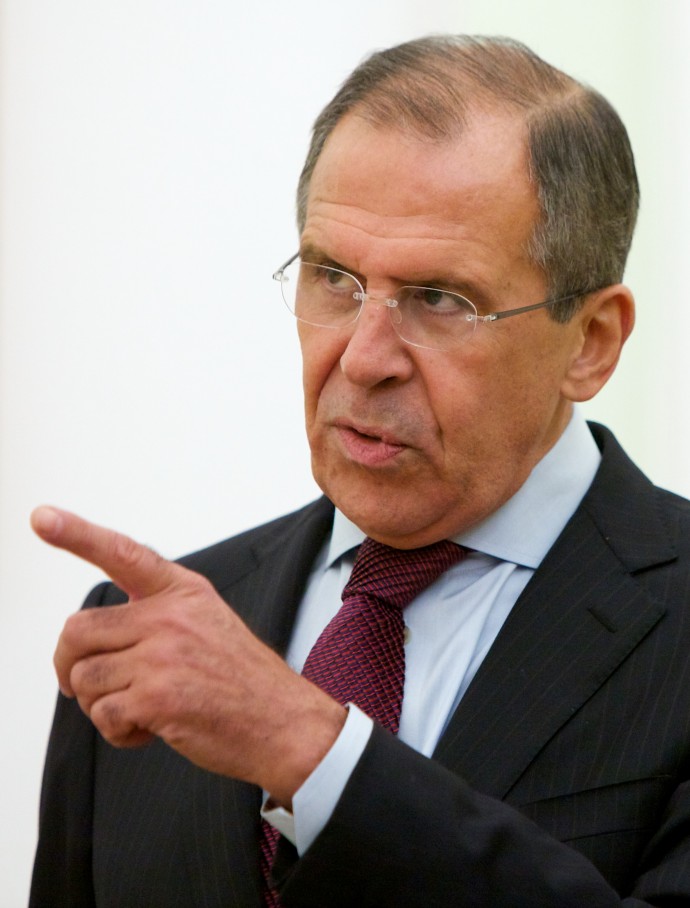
x,y
375,353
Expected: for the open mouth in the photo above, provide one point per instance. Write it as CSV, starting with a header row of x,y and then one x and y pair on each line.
x,y
366,447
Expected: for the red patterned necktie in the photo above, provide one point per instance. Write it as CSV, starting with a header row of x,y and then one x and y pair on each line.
x,y
360,657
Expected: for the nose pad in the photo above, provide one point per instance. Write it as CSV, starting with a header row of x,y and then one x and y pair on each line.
x,y
392,305
396,314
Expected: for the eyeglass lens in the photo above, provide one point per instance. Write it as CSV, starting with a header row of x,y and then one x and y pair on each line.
x,y
424,316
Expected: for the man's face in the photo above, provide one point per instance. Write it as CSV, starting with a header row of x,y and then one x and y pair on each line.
x,y
415,445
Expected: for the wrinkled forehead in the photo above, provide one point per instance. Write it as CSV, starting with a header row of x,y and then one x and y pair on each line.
x,y
392,202
386,172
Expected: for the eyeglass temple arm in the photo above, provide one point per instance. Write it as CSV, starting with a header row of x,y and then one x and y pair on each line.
x,y
278,275
495,316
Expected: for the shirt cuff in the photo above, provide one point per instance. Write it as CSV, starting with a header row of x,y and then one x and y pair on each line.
x,y
316,799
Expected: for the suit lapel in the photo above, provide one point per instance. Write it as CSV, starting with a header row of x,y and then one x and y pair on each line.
x,y
269,592
576,621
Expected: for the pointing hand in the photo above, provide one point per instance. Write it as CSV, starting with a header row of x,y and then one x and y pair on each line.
x,y
177,662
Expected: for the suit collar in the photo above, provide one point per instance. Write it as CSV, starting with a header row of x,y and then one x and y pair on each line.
x,y
625,508
579,617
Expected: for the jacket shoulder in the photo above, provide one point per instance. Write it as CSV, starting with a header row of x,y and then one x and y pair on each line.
x,y
224,562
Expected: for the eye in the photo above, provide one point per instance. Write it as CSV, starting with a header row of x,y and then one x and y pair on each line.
x,y
431,299
335,279
327,279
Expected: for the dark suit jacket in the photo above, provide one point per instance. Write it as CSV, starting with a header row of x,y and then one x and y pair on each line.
x,y
561,780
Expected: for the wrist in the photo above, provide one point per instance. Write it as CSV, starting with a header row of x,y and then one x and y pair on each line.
x,y
304,742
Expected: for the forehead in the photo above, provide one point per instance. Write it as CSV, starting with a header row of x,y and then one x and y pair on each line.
x,y
379,192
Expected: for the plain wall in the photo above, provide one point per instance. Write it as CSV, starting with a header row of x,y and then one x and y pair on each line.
x,y
149,376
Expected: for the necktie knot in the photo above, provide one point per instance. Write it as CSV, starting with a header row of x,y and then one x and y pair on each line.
x,y
395,577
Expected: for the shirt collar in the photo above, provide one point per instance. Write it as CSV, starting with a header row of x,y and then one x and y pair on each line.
x,y
523,529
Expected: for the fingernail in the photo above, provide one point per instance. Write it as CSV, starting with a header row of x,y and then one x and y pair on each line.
x,y
46,521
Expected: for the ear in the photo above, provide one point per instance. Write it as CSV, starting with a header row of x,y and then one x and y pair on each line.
x,y
602,327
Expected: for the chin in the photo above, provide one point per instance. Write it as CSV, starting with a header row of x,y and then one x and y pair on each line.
x,y
372,513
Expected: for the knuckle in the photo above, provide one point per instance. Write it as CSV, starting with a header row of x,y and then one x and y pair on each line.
x,y
89,675
77,680
199,585
107,715
155,707
72,629
191,601
157,703
127,552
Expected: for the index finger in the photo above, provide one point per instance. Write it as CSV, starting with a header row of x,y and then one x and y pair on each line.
x,y
136,569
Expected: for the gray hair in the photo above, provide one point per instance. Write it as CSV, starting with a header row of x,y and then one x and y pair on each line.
x,y
580,158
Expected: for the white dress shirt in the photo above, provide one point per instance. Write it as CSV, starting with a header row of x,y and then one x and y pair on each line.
x,y
450,626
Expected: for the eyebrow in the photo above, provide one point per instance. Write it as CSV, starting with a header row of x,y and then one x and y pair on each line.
x,y
315,255
311,253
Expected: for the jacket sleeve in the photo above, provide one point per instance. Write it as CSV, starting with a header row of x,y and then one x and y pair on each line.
x,y
408,832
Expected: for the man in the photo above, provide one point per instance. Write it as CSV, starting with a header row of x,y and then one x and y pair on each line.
x,y
465,214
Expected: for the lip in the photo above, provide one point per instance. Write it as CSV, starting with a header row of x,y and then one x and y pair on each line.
x,y
368,446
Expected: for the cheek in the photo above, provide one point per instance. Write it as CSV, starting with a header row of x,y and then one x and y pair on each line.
x,y
457,389
320,358
480,403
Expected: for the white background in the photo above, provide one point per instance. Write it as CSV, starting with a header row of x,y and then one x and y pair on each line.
x,y
149,377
